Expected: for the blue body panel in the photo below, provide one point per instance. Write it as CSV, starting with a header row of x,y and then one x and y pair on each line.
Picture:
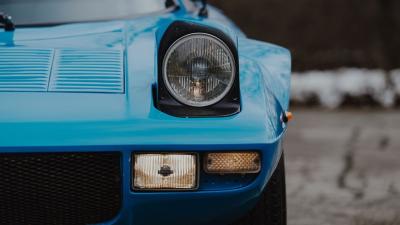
x,y
127,120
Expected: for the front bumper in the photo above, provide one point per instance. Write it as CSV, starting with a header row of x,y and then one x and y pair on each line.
x,y
217,201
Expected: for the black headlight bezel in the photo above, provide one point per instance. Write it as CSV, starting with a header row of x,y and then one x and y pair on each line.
x,y
227,106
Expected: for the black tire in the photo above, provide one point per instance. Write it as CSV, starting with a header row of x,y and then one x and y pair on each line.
x,y
271,208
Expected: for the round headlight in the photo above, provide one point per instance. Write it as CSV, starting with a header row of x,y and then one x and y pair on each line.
x,y
198,69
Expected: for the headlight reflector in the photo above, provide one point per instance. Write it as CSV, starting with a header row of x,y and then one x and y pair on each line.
x,y
165,171
233,162
199,69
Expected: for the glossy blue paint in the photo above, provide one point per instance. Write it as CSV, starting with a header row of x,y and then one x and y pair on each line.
x,y
127,120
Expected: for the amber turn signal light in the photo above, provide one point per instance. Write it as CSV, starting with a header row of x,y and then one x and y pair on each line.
x,y
233,162
286,117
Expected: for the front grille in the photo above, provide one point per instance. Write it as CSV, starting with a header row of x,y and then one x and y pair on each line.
x,y
59,188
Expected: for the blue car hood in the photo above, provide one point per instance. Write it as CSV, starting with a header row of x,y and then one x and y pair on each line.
x,y
124,115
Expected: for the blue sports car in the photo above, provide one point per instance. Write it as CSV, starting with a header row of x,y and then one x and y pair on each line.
x,y
138,112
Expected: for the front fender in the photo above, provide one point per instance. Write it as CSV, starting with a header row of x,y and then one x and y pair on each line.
x,y
274,63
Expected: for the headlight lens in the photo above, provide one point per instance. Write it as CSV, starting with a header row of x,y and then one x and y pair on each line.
x,y
199,69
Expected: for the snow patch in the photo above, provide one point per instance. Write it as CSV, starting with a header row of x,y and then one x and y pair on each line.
x,y
331,88
395,76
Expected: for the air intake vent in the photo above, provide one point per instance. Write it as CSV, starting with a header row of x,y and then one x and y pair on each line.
x,y
24,69
59,188
87,71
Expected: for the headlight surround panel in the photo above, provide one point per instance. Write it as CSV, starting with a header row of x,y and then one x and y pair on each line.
x,y
225,103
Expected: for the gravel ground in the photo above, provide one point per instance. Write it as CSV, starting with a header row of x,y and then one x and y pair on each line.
x,y
343,167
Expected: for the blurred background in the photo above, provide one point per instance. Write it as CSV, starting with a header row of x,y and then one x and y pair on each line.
x,y
343,147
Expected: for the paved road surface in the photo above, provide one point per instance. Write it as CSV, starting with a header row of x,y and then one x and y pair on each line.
x,y
343,168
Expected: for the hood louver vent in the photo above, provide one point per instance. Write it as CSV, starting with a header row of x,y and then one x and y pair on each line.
x,y
60,70
23,69
87,71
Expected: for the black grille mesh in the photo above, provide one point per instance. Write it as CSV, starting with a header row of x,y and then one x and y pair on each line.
x,y
59,188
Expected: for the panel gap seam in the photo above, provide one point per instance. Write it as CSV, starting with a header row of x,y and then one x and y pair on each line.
x,y
53,59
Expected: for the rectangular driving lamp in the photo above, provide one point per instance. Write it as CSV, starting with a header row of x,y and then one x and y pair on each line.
x,y
164,171
232,162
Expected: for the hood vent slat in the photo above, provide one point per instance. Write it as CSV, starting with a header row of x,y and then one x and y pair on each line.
x,y
61,70
23,69
87,71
